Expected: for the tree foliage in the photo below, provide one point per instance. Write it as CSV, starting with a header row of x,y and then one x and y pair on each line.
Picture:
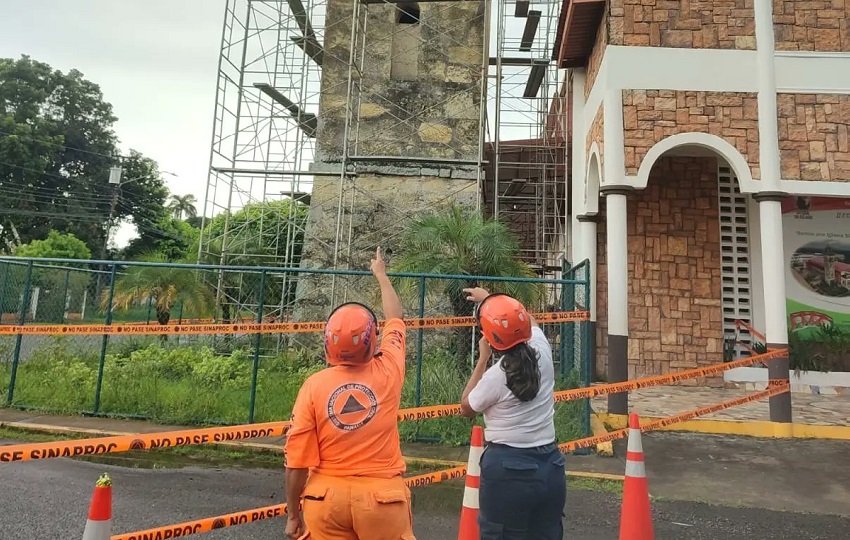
x,y
171,237
56,148
459,241
260,234
183,206
55,246
168,286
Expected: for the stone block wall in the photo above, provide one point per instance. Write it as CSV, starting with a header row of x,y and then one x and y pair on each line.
x,y
598,53
652,115
596,134
814,137
812,25
691,24
675,314
428,110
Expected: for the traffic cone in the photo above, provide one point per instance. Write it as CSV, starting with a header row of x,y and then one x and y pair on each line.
x,y
636,516
99,523
469,513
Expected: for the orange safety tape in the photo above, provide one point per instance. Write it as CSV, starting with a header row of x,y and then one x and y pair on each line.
x,y
676,418
239,518
124,443
243,328
141,441
205,525
148,441
660,380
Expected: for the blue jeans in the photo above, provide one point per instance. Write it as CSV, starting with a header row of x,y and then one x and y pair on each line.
x,y
522,494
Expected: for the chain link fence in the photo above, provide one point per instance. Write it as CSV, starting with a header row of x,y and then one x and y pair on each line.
x,y
177,351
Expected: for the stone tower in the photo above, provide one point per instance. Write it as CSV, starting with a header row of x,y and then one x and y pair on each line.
x,y
398,134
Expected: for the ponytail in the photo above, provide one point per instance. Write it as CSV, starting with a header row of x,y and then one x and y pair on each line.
x,y
522,371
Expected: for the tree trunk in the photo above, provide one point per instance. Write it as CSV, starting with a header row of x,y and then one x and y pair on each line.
x,y
163,317
461,307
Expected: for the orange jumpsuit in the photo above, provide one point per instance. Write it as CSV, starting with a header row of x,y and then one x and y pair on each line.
x,y
345,430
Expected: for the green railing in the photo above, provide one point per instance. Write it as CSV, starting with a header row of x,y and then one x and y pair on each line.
x,y
212,378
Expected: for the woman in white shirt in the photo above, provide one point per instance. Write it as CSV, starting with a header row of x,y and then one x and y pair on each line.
x,y
523,486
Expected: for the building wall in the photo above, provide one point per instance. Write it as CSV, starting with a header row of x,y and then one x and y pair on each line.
x,y
812,25
814,137
599,45
674,271
430,109
651,115
597,135
698,24
418,97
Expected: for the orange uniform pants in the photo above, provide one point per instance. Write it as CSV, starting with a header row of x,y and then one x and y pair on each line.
x,y
357,508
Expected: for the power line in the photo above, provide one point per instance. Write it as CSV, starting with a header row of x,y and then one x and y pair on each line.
x,y
58,145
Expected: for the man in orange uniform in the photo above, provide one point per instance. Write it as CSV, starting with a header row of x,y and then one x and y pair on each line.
x,y
343,456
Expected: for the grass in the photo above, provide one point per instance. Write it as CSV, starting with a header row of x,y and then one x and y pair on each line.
x,y
189,385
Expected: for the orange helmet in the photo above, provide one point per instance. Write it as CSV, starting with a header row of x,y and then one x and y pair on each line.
x,y
504,321
351,335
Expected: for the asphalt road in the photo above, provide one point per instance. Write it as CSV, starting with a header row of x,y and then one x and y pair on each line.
x,y
49,500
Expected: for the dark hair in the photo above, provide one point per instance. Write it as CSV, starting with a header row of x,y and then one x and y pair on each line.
x,y
521,371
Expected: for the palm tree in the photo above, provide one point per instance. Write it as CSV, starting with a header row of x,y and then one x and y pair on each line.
x,y
166,285
183,206
462,242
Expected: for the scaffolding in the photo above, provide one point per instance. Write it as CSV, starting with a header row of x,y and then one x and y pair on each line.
x,y
526,180
263,140
265,154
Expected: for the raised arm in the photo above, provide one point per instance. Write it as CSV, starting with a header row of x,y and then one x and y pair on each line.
x,y
389,298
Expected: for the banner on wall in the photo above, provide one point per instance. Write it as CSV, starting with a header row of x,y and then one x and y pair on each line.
x,y
817,249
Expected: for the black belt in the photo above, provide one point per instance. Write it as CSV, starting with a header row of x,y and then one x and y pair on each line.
x,y
541,449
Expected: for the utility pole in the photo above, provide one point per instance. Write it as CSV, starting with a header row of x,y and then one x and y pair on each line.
x,y
115,182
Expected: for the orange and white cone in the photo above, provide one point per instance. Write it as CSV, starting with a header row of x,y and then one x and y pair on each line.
x,y
99,523
636,516
469,513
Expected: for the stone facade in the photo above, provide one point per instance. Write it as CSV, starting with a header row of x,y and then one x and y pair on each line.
x,y
596,134
427,110
652,115
674,271
812,25
814,137
599,46
418,96
690,24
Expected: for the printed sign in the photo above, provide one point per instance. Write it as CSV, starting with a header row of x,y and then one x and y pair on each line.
x,y
817,247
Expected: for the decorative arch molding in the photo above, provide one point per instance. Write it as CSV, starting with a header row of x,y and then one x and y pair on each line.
x,y
592,180
704,140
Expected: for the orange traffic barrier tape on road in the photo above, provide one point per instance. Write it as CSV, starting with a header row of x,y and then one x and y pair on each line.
x,y
141,441
189,437
243,328
674,419
205,525
660,380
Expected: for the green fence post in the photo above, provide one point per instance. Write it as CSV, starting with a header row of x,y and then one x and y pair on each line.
x,y
419,337
65,296
180,319
586,350
19,338
150,307
105,342
564,330
3,285
256,368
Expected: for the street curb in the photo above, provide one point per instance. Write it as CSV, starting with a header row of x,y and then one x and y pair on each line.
x,y
606,448
749,428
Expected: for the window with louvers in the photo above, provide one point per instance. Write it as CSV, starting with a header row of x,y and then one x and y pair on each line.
x,y
735,259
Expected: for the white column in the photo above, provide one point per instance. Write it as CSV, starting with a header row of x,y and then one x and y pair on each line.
x,y
770,210
616,225
579,157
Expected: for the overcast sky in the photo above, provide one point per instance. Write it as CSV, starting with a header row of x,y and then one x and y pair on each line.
x,y
155,61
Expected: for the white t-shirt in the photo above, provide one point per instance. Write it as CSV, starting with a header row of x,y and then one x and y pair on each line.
x,y
523,424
